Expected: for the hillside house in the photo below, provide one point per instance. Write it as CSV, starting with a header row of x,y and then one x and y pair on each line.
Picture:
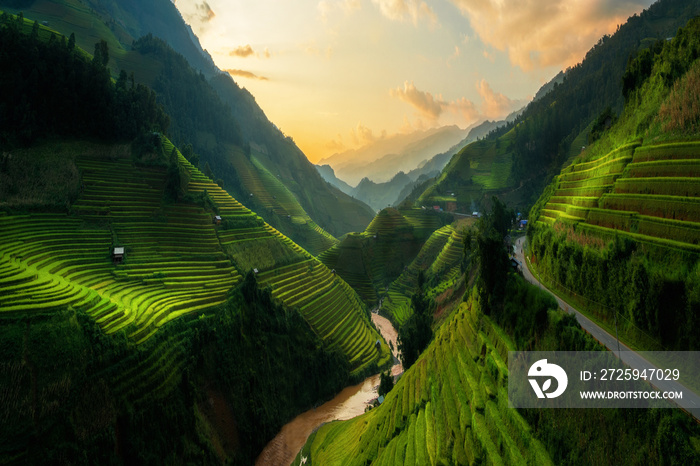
x,y
378,345
515,263
118,255
217,220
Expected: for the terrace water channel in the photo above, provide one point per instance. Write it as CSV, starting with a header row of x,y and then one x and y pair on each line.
x,y
349,403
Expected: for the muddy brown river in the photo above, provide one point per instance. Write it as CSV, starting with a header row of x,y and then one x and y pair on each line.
x,y
347,404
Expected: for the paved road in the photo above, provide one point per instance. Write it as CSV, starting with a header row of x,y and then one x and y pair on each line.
x,y
690,401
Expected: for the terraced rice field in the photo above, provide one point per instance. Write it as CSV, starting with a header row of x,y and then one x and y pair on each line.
x,y
331,307
448,408
174,264
650,193
440,257
175,261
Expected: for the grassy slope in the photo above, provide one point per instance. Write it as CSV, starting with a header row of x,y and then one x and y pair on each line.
x,y
553,129
451,407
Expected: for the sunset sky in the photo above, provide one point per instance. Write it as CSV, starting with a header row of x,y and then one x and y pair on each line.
x,y
337,74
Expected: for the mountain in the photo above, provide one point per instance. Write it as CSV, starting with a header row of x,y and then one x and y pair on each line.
x,y
438,162
629,202
381,195
328,174
518,161
451,406
382,159
126,302
225,127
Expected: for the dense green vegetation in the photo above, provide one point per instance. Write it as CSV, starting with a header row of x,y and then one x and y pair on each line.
x,y
416,332
202,390
58,91
619,226
147,198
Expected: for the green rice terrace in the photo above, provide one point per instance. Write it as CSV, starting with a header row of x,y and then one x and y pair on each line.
x,y
450,407
371,260
176,260
647,192
439,258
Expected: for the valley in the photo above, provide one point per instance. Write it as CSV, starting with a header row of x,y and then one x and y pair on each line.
x,y
179,284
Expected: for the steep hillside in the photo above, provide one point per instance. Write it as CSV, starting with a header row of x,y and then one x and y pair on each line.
x,y
446,409
630,203
176,260
398,188
371,260
335,211
517,161
145,198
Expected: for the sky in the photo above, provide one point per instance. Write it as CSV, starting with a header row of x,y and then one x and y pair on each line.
x,y
339,74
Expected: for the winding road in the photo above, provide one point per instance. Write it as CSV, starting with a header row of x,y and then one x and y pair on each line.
x,y
690,401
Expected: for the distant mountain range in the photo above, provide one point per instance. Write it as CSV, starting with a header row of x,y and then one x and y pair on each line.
x,y
384,158
381,194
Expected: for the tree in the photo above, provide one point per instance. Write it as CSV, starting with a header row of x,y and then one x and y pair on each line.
x,y
71,42
492,255
415,334
207,171
386,383
101,55
35,30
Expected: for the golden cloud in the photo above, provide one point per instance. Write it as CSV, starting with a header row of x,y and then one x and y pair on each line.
x,y
494,105
246,74
426,104
242,51
540,34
